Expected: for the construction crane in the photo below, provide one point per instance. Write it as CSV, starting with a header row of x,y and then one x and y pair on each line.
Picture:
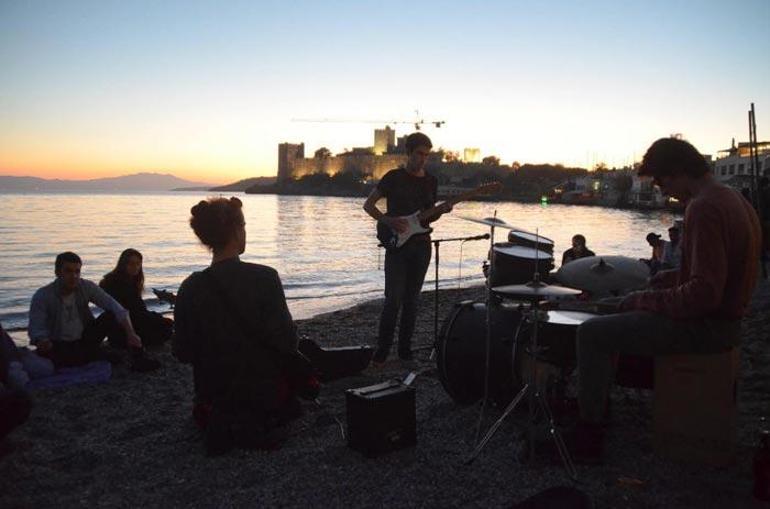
x,y
417,123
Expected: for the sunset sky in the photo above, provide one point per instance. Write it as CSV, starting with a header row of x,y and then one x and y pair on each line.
x,y
207,90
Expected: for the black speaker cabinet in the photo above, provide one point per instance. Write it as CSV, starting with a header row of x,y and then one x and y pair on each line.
x,y
336,362
381,418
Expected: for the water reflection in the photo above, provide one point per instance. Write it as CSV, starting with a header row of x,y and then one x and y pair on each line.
x,y
324,248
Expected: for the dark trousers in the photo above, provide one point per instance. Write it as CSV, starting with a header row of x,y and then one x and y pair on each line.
x,y
639,333
404,274
88,347
153,328
14,410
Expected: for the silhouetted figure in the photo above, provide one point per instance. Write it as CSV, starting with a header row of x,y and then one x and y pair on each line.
x,y
672,250
658,245
408,190
63,327
125,284
233,325
578,250
694,309
15,403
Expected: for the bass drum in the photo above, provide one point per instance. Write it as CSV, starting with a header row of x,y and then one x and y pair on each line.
x,y
461,353
461,350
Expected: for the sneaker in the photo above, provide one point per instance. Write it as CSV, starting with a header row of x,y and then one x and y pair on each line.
x,y
141,363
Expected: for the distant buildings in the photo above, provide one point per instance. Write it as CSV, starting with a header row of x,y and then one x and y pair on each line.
x,y
733,165
384,140
373,162
288,155
472,155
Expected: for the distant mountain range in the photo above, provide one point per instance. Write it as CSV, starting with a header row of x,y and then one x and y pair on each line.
x,y
135,182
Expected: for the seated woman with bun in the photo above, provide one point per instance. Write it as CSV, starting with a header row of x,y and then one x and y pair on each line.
x,y
233,325
125,284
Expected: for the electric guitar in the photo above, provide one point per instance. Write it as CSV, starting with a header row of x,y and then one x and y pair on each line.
x,y
392,239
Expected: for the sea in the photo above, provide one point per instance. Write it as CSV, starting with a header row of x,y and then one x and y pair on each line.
x,y
324,248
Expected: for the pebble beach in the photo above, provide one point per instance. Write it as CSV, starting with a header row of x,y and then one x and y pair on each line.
x,y
131,442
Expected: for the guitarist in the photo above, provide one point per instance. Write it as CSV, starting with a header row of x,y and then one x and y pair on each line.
x,y
407,190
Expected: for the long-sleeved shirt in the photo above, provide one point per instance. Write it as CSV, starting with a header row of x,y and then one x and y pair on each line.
x,y
720,259
209,333
47,307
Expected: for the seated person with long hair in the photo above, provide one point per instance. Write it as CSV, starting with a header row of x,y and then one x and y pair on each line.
x,y
233,325
64,329
125,284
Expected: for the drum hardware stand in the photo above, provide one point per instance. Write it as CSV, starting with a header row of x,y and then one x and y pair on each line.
x,y
533,392
489,325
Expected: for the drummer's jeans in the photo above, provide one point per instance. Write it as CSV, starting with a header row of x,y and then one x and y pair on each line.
x,y
639,333
404,274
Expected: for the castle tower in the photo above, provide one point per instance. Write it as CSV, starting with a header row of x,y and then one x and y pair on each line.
x,y
384,140
288,153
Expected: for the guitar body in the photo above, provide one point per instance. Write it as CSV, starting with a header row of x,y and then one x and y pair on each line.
x,y
394,240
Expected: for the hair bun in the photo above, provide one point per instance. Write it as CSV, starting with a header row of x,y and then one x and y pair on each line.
x,y
199,208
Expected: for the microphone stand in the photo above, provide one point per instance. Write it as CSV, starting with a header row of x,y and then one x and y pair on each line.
x,y
436,244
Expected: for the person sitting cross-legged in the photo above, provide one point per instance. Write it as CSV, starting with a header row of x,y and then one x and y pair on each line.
x,y
63,328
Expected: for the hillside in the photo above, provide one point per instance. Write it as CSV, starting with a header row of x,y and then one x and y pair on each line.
x,y
133,182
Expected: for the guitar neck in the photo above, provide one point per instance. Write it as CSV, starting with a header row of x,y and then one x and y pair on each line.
x,y
427,214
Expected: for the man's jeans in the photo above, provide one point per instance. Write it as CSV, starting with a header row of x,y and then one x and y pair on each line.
x,y
639,333
404,274
86,349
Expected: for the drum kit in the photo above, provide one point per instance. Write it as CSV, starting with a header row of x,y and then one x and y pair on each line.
x,y
513,308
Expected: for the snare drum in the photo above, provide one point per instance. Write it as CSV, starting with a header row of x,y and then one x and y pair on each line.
x,y
527,239
513,264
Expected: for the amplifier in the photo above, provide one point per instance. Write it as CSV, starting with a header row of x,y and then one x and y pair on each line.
x,y
381,418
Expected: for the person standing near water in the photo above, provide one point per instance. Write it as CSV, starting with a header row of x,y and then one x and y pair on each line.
x,y
408,190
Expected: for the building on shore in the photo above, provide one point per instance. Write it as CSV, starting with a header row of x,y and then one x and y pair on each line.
x,y
735,168
384,141
472,155
288,155
372,162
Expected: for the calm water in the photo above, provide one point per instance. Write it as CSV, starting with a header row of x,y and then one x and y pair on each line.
x,y
324,248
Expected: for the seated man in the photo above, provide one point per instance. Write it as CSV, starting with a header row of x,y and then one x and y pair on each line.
x,y
578,250
63,328
694,309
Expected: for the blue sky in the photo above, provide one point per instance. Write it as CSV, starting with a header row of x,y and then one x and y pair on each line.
x,y
208,89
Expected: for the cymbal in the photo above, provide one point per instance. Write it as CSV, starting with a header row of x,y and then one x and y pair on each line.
x,y
604,275
533,289
490,221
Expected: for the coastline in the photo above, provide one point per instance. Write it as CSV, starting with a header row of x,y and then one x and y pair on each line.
x,y
131,442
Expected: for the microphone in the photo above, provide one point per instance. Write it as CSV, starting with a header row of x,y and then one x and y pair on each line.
x,y
479,237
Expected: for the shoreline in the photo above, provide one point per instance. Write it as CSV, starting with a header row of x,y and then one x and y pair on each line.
x,y
131,442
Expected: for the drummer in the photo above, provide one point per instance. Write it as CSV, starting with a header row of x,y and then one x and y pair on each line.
x,y
696,308
578,250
